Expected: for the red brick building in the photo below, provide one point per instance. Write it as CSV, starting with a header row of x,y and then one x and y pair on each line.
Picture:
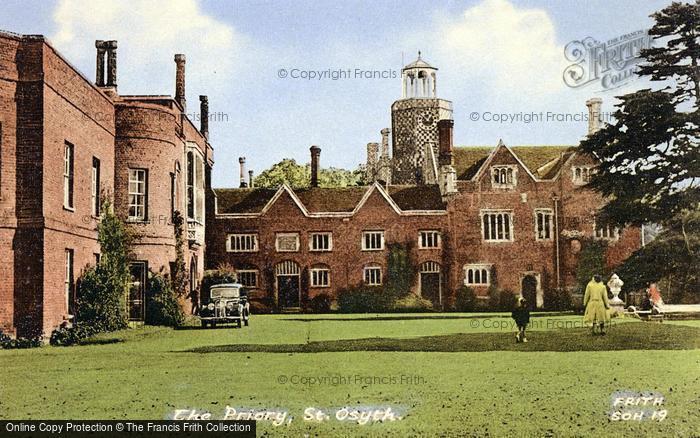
x,y
509,217
65,144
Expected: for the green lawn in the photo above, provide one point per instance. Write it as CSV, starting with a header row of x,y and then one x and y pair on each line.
x,y
453,374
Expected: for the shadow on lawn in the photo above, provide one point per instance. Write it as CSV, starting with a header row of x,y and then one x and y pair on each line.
x,y
640,336
422,316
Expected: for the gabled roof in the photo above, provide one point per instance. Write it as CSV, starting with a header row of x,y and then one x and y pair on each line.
x,y
329,202
543,162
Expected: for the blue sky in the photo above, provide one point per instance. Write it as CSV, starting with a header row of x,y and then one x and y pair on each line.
x,y
494,56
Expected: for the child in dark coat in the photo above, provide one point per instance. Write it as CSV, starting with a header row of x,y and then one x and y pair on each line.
x,y
521,315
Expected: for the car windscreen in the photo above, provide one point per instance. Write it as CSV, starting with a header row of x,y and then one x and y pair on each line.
x,y
225,292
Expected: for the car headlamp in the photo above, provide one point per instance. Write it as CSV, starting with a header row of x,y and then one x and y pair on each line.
x,y
210,306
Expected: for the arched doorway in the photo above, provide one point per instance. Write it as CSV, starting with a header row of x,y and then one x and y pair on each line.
x,y
430,289
288,277
529,290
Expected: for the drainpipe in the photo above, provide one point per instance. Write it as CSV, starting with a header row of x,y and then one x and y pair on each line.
x,y
556,238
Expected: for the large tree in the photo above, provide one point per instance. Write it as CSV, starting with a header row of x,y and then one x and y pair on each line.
x,y
649,155
299,176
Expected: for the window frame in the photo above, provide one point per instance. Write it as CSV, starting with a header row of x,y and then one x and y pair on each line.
x,y
365,272
511,226
582,179
479,268
548,212
95,187
381,238
497,169
612,235
316,270
68,176
144,195
438,239
255,241
256,274
69,280
321,233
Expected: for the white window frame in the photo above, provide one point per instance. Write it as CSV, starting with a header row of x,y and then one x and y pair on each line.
x,y
315,234
584,174
610,233
141,198
252,236
502,171
366,234
370,279
437,237
477,270
549,214
249,271
510,231
314,277
69,277
283,235
68,176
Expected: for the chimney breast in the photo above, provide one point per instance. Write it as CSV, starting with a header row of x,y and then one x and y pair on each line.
x,y
315,156
445,156
241,163
180,81
594,114
204,116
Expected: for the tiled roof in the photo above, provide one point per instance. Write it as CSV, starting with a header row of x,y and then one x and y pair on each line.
x,y
468,159
328,200
417,197
236,201
340,199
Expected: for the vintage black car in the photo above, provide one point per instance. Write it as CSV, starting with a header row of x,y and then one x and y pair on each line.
x,y
228,303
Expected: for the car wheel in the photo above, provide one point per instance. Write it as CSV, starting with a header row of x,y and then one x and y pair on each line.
x,y
246,317
205,324
212,324
239,323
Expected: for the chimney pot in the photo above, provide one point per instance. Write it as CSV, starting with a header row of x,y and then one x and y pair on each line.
x,y
100,63
385,142
315,156
241,163
204,116
250,179
594,118
180,81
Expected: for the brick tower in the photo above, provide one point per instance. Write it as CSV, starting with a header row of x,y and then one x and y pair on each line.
x,y
414,120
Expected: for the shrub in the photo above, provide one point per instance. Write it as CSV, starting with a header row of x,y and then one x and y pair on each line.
x,y
557,299
261,306
162,306
500,300
320,304
465,301
363,299
8,343
412,303
66,336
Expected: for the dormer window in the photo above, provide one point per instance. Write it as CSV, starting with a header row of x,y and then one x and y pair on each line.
x,y
581,174
504,177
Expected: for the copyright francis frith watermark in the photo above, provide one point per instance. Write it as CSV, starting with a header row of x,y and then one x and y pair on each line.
x,y
610,63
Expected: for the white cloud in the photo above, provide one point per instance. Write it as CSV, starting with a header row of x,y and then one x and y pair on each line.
x,y
506,48
149,33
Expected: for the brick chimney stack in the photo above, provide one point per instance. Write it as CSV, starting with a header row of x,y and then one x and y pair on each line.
x,y
111,47
315,156
100,63
241,163
250,179
180,81
594,114
204,116
445,156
